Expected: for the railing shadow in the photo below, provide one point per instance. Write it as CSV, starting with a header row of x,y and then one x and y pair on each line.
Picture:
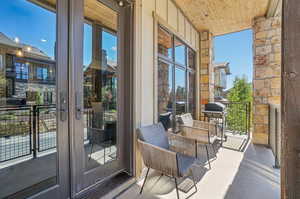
x,y
255,177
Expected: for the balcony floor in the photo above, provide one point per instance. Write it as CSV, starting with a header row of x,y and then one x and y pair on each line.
x,y
234,175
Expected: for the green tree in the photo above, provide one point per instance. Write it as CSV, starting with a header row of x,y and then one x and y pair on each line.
x,y
240,98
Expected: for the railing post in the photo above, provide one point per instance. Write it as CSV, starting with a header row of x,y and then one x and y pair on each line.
x,y
34,138
276,165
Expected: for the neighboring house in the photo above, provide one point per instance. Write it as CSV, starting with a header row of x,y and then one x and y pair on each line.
x,y
28,72
221,71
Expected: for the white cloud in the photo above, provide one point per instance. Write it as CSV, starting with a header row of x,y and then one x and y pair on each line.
x,y
114,48
43,40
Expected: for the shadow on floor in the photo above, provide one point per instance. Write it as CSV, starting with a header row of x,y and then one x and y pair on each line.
x,y
255,177
235,174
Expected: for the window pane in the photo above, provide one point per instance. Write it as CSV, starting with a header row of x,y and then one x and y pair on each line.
x,y
28,138
164,43
191,59
180,52
165,93
192,94
100,85
180,89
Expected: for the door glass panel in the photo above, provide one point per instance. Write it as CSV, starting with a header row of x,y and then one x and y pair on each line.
x,y
192,94
100,71
28,138
180,91
165,93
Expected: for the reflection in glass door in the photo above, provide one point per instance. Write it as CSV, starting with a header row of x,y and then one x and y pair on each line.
x,y
30,126
100,95
100,82
99,144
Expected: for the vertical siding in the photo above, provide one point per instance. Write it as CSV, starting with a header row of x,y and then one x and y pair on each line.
x,y
161,8
187,31
181,27
147,62
172,15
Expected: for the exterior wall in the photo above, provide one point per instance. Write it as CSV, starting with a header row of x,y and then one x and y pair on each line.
x,y
206,71
148,14
267,73
21,88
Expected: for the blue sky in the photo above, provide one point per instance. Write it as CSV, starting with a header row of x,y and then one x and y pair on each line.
x,y
36,26
235,48
29,23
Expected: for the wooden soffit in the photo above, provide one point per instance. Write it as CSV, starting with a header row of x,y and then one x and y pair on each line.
x,y
223,16
94,11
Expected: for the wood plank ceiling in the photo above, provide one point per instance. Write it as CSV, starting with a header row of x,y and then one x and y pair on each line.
x,y
223,16
94,12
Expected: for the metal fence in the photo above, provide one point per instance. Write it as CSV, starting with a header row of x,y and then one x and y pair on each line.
x,y
26,130
238,117
275,133
15,133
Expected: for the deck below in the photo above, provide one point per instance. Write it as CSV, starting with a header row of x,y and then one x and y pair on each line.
x,y
234,175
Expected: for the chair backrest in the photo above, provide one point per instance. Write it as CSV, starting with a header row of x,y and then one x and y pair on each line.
x,y
165,120
154,134
186,119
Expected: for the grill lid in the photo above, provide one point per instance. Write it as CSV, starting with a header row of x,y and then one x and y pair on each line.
x,y
215,106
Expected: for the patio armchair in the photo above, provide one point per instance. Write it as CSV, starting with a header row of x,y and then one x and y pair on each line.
x,y
160,152
204,133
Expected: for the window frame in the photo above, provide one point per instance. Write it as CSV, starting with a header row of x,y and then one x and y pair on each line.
x,y
186,68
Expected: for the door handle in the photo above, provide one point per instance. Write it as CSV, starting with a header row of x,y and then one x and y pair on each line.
x,y
63,109
78,105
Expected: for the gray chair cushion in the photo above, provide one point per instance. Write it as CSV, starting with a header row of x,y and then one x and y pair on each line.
x,y
154,134
184,163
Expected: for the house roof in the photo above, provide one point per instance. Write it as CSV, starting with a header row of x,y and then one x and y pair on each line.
x,y
224,65
34,52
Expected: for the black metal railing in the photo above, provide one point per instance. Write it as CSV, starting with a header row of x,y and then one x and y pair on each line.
x,y
238,117
275,133
29,130
26,130
46,127
15,133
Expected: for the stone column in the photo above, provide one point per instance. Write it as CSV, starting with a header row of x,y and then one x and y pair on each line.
x,y
267,73
206,71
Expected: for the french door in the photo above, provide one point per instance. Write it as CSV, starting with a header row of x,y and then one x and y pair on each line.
x,y
65,96
100,83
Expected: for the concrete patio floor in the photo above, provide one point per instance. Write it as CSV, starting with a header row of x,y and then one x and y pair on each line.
x,y
234,175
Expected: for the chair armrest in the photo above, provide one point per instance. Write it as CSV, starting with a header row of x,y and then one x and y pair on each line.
x,y
182,144
159,159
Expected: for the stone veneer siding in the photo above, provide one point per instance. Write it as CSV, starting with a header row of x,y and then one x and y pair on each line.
x,y
267,74
21,88
206,71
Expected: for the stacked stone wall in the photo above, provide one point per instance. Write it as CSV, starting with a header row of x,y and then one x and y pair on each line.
x,y
206,71
267,73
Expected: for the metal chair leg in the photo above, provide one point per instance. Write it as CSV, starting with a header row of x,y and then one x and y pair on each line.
x,y
145,180
212,145
207,155
91,151
194,180
176,185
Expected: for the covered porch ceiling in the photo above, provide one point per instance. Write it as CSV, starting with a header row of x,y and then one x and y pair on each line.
x,y
224,16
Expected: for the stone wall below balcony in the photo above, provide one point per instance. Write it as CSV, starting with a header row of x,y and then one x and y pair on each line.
x,y
206,71
267,73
